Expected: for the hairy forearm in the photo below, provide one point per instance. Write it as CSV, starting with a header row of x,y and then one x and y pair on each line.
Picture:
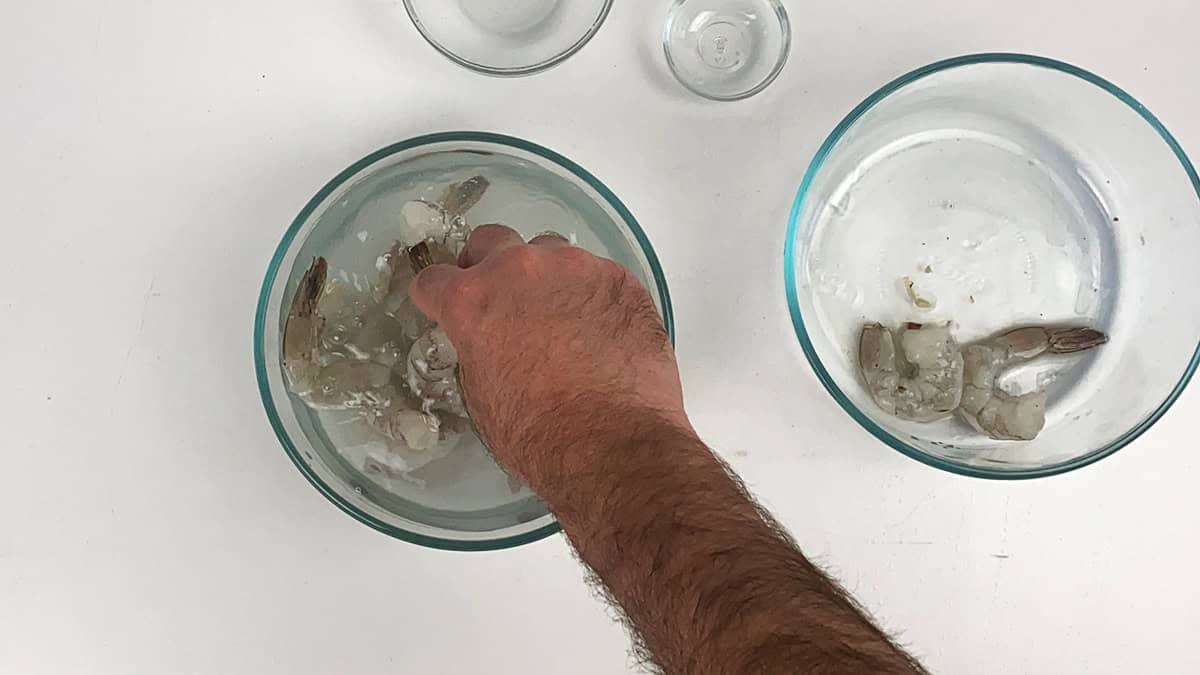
x,y
570,379
707,579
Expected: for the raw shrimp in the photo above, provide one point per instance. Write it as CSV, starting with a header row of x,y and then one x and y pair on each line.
x,y
433,374
443,223
304,325
462,197
420,256
1004,416
420,431
366,348
917,374
327,371
396,460
433,360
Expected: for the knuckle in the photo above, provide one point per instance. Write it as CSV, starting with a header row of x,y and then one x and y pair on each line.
x,y
522,258
573,255
492,230
465,298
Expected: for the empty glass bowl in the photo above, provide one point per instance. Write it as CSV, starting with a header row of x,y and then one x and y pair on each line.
x,y
727,50
463,501
1004,190
508,37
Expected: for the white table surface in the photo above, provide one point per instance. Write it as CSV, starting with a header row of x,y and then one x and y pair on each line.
x,y
151,155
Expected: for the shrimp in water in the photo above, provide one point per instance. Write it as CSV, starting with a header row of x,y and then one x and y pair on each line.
x,y
323,381
303,329
1003,416
915,374
433,374
443,223
371,351
433,360
418,431
462,197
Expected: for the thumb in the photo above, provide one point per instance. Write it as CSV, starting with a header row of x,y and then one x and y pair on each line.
x,y
428,289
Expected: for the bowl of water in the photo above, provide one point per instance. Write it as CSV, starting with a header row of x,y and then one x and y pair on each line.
x,y
1006,200
459,499
508,37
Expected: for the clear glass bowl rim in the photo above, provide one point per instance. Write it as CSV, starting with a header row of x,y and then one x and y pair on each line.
x,y
791,246
273,269
785,24
518,70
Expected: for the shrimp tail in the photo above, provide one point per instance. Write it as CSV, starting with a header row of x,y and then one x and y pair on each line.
x,y
303,320
1071,340
420,256
303,328
462,197
312,284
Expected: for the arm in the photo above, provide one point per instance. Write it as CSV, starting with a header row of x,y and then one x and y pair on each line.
x,y
571,380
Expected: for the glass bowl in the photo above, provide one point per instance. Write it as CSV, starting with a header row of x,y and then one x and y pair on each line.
x,y
463,501
1004,190
507,37
727,50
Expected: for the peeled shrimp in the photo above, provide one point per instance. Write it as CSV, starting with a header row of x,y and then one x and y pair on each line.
x,y
917,374
1004,416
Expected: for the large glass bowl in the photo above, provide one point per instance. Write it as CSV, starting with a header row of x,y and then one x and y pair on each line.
x,y
1006,190
464,501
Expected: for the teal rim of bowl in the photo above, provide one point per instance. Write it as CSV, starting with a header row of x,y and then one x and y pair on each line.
x,y
789,269
260,317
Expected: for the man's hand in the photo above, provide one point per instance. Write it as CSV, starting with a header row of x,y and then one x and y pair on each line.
x,y
570,378
550,339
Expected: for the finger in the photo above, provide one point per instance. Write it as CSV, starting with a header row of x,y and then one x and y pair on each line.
x,y
550,240
487,240
428,289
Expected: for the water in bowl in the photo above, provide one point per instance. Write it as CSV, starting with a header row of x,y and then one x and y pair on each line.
x,y
993,226
465,489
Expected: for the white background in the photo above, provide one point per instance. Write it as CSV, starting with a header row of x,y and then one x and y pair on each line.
x,y
152,154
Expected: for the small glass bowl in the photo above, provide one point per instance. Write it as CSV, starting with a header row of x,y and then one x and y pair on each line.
x,y
508,37
467,502
1004,190
727,50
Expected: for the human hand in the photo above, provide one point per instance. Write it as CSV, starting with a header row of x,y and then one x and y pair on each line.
x,y
570,379
557,348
